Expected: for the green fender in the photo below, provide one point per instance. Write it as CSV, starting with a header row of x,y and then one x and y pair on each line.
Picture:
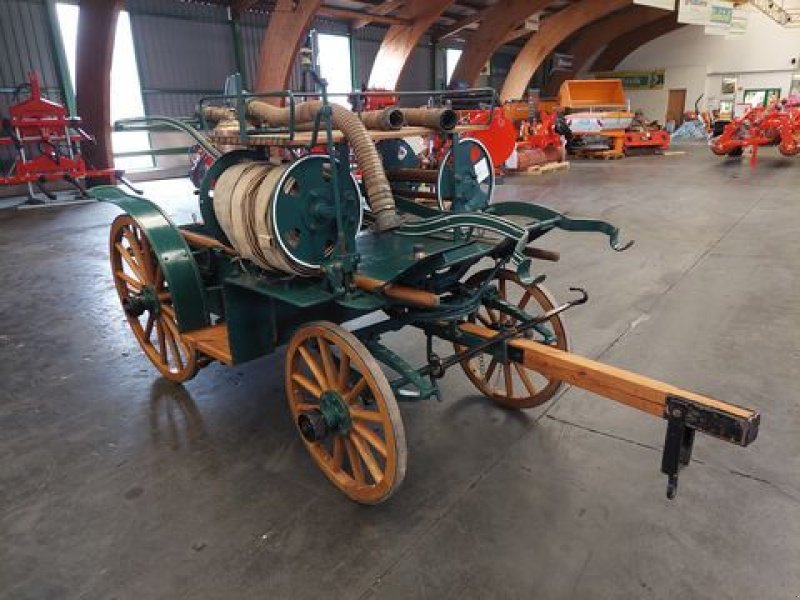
x,y
173,253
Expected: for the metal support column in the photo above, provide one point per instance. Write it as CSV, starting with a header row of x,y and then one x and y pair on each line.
x,y
60,57
238,50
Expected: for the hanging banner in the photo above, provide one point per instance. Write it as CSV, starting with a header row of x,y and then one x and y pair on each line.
x,y
694,12
637,80
665,4
720,17
739,21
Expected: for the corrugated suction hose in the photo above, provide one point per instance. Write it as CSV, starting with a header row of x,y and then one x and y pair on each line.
x,y
379,192
443,119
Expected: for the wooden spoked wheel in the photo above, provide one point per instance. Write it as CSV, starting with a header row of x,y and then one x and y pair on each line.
x,y
512,385
346,412
147,302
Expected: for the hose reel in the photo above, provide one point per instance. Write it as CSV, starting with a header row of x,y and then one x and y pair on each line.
x,y
283,218
464,181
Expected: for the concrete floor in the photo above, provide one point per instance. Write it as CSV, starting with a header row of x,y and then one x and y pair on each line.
x,y
117,484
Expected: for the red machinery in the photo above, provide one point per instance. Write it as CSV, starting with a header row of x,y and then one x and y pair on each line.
x,y
655,139
541,134
47,144
497,134
777,125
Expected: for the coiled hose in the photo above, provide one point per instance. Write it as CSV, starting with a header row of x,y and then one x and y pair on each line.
x,y
379,192
243,198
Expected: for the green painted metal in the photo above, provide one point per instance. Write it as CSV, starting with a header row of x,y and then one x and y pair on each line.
x,y
140,123
60,57
238,49
157,152
391,257
425,387
173,254
335,411
305,211
560,221
466,176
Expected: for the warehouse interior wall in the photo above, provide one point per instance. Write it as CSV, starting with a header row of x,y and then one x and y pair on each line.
x,y
184,52
697,62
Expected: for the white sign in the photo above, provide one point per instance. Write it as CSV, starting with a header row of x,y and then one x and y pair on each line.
x,y
719,22
694,12
665,4
739,21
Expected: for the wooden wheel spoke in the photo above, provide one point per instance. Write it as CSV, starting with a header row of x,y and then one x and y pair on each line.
x,y
509,380
133,283
338,453
327,361
490,371
173,346
484,321
158,278
162,347
366,415
134,244
344,372
366,455
307,384
504,289
148,327
356,390
169,311
526,379
374,440
313,366
305,406
355,461
523,302
129,260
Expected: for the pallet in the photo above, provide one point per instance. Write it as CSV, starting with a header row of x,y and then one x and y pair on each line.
x,y
551,167
600,154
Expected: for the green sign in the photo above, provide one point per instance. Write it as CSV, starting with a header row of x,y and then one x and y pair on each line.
x,y
637,80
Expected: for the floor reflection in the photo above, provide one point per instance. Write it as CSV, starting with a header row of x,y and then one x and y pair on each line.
x,y
175,420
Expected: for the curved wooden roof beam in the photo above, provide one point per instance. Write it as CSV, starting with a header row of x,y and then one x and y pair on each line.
x,y
625,44
599,34
97,26
288,26
554,30
498,23
400,41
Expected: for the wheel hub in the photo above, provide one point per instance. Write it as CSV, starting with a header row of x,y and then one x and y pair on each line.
x,y
135,305
332,417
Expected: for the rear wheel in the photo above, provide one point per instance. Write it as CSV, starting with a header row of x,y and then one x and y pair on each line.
x,y
511,384
147,302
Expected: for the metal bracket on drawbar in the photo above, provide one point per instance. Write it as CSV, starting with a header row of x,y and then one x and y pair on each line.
x,y
684,417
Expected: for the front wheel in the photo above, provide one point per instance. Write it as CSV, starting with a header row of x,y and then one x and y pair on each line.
x,y
511,384
346,412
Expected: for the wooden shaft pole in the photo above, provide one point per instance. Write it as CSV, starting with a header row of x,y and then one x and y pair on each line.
x,y
402,293
634,390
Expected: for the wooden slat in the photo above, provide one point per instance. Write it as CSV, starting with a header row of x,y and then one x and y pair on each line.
x,y
303,138
212,341
638,391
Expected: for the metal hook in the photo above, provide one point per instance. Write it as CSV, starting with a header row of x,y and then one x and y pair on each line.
x,y
582,300
616,245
